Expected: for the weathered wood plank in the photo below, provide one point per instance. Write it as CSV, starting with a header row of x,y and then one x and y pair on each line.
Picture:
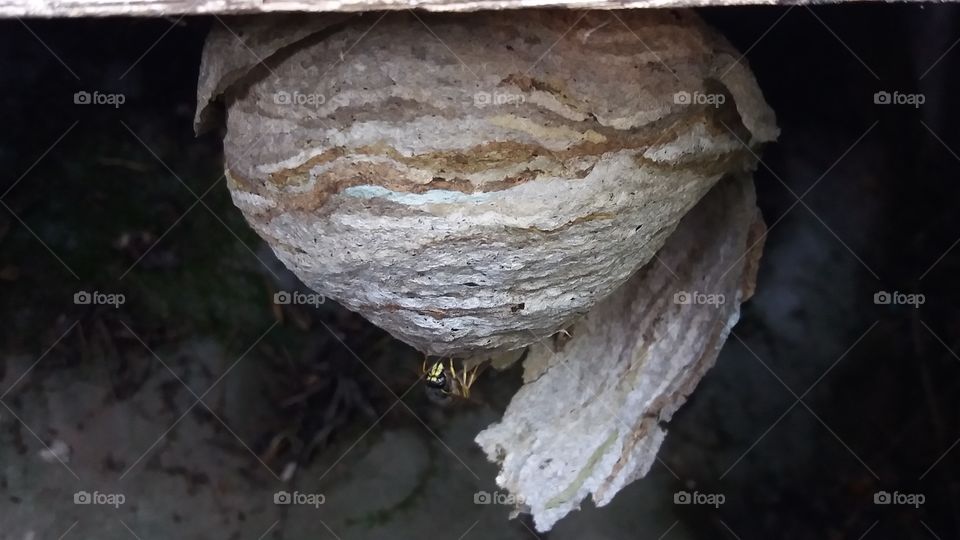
x,y
156,8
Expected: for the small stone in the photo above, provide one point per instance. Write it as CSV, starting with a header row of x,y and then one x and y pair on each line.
x,y
56,452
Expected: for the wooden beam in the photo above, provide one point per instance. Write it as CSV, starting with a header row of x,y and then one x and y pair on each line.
x,y
159,8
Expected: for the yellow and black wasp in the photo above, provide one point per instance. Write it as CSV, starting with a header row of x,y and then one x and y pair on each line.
x,y
444,382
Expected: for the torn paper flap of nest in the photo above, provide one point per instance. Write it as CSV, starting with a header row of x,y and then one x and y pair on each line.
x,y
588,419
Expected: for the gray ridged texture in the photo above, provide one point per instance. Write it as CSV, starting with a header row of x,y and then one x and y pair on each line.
x,y
589,418
471,183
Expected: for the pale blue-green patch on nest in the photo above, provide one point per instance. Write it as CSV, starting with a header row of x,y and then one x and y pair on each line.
x,y
585,473
434,196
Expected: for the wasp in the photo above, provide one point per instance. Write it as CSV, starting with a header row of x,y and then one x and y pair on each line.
x,y
444,382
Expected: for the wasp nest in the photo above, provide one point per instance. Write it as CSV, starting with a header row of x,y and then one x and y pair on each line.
x,y
589,418
472,182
